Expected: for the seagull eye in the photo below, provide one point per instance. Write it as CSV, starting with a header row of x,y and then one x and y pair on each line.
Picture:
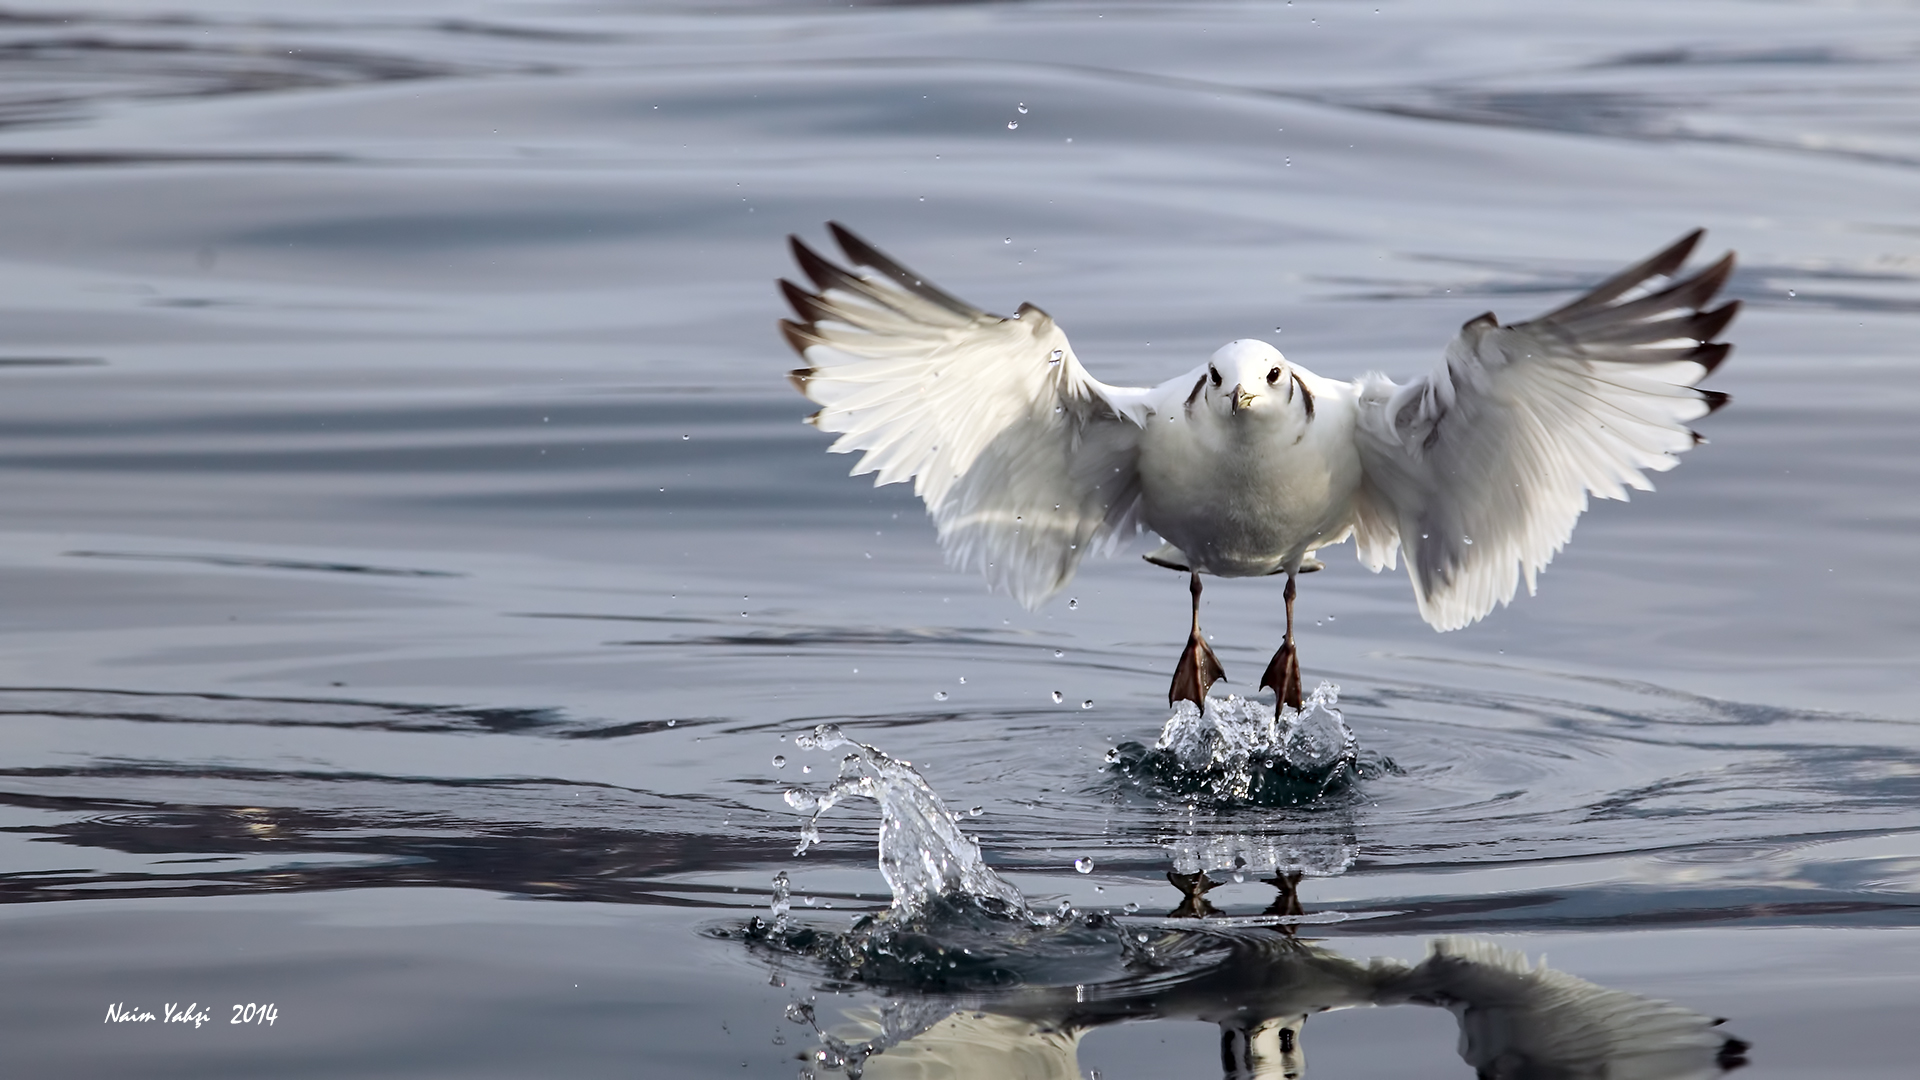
x,y
1215,373
1273,376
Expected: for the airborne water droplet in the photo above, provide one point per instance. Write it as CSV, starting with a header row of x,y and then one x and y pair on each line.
x,y
1083,864
976,811
1087,704
1073,603
1057,356
1466,539
1009,240
1023,108
1057,654
1130,907
779,761
940,695
1058,697
1012,125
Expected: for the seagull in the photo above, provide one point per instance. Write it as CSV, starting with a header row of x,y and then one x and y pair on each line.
x,y
1249,464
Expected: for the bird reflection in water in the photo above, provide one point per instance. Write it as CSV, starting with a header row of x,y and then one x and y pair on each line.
x,y
1518,1021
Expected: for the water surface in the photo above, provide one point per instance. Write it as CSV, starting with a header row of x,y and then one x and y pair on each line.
x,y
413,561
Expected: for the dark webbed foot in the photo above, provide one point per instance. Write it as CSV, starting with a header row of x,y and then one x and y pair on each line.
x,y
1283,676
1199,669
1287,901
1193,895
1283,671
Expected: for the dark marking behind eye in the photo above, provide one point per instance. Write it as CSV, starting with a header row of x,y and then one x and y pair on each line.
x,y
1195,396
1306,394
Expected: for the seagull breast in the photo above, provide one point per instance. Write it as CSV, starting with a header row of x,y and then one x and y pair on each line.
x,y
1250,489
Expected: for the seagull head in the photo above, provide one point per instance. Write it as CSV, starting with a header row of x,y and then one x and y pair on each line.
x,y
1248,376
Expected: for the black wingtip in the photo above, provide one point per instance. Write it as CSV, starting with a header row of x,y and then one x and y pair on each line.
x,y
801,252
799,338
804,304
1708,324
1676,254
859,251
1714,277
817,267
1715,400
1710,356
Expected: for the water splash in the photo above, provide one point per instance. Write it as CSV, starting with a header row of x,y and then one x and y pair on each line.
x,y
923,852
1235,751
954,925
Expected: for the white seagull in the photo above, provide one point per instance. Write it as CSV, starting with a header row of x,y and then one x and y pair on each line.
x,y
1248,464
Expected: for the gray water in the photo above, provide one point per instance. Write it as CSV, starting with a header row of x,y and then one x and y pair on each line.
x,y
413,560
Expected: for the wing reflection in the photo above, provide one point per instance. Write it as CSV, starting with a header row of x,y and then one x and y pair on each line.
x,y
1518,1021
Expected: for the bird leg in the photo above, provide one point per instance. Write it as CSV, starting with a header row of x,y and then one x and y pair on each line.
x,y
1199,668
1283,671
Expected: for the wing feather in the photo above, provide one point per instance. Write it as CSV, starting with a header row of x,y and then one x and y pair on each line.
x,y
1025,462
1478,472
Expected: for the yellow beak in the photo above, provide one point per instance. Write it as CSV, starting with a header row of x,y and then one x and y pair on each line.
x,y
1241,399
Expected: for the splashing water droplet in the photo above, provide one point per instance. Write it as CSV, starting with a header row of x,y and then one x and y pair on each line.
x,y
940,695
1130,907
780,905
1466,540
1008,240
1087,704
1083,864
1023,108
1058,653
1058,697
779,761
976,811
1057,356
670,723
1013,125
1072,603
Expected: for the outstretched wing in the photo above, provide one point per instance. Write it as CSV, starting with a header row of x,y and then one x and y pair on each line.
x,y
1480,470
1024,460
1518,1019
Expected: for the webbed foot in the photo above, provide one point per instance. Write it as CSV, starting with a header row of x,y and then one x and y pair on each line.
x,y
1193,895
1283,675
1199,669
